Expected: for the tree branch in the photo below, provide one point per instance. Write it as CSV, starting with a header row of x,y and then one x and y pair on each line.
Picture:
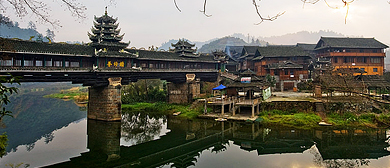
x,y
77,9
204,9
177,7
41,10
265,18
344,4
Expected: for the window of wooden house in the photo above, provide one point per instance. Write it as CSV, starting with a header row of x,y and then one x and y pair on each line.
x,y
18,63
375,69
151,65
361,59
38,63
6,62
57,63
285,72
375,60
28,63
335,59
162,66
291,72
362,69
74,64
49,63
66,63
276,72
348,59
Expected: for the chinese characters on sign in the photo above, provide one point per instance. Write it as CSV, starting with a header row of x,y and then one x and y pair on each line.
x,y
115,64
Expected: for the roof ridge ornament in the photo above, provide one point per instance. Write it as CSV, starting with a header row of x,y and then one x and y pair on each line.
x,y
106,11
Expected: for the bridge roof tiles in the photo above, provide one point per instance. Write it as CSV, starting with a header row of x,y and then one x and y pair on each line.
x,y
23,46
170,56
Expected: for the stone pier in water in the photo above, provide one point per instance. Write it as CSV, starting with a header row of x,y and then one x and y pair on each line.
x,y
104,102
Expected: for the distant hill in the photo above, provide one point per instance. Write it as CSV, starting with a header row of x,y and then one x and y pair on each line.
x,y
221,43
7,31
300,37
241,39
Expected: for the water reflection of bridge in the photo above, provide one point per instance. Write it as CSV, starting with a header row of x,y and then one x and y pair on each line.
x,y
187,139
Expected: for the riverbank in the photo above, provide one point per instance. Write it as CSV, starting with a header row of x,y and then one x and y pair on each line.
x,y
301,120
184,111
289,116
310,120
78,94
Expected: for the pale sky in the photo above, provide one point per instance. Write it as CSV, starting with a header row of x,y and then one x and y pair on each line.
x,y
153,22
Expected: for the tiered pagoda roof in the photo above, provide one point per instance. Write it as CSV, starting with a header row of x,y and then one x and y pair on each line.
x,y
105,34
184,49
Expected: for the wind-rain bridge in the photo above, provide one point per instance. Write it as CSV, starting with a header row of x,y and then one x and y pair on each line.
x,y
106,63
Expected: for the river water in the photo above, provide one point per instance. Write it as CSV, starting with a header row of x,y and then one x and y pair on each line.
x,y
55,133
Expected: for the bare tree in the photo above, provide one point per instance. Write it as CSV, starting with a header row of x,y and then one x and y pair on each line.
x,y
41,10
343,3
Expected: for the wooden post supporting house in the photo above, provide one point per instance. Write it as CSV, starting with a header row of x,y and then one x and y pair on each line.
x,y
223,106
253,109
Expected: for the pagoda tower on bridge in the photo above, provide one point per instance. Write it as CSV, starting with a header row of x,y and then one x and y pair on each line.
x,y
184,49
105,34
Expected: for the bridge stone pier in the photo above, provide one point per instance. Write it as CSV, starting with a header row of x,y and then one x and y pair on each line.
x,y
182,93
104,102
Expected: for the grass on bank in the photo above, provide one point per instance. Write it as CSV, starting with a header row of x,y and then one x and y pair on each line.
x,y
298,120
164,108
311,120
79,94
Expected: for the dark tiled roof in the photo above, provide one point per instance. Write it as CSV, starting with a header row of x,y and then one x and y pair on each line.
x,y
16,45
247,72
234,51
250,50
284,65
170,56
345,42
282,51
307,47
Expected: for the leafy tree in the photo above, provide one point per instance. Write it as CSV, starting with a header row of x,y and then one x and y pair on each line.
x,y
32,26
146,90
5,92
50,34
271,80
3,144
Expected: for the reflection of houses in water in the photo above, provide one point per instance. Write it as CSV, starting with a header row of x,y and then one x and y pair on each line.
x,y
352,143
183,145
270,141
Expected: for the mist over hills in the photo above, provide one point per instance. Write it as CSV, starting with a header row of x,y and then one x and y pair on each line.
x,y
241,39
300,37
